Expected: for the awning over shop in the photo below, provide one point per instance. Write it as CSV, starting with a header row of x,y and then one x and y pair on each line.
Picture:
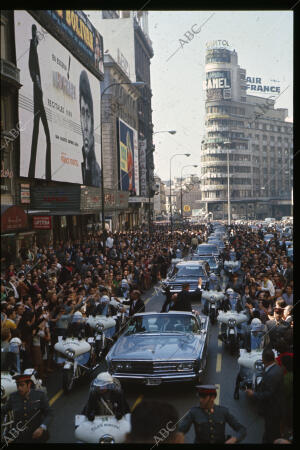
x,y
12,218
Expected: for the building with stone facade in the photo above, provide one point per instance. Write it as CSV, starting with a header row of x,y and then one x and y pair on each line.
x,y
247,136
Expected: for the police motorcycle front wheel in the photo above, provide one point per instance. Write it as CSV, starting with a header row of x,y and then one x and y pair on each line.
x,y
67,380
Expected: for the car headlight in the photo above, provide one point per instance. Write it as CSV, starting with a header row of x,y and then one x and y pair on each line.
x,y
118,365
184,366
99,326
106,439
231,322
70,353
128,366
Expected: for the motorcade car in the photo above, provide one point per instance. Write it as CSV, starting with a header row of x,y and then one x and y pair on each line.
x,y
212,261
208,250
216,241
268,237
161,347
186,272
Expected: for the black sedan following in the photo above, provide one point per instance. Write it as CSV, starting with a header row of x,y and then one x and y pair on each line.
x,y
186,272
161,347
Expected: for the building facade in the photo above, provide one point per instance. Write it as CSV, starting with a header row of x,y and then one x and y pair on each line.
x,y
246,138
53,61
119,130
126,38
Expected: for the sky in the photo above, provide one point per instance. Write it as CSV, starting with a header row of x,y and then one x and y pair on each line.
x,y
263,41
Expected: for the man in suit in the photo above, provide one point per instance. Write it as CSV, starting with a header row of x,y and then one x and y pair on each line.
x,y
38,108
270,396
32,413
277,327
185,298
136,303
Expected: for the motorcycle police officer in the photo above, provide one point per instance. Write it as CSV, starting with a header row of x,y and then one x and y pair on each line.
x,y
32,413
209,420
106,398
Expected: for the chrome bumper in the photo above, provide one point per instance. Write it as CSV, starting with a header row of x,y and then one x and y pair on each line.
x,y
165,378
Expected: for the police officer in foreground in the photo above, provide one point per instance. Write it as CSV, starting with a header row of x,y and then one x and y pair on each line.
x,y
31,410
209,420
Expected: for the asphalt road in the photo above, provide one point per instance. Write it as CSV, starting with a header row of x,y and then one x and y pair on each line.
x,y
221,370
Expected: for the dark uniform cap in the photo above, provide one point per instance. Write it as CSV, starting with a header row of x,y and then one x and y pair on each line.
x,y
19,378
206,388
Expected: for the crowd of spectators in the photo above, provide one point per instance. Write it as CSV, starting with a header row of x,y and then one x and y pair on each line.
x,y
40,294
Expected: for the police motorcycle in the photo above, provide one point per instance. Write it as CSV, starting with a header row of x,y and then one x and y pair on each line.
x,y
119,312
231,266
76,351
231,316
212,303
105,419
105,325
251,367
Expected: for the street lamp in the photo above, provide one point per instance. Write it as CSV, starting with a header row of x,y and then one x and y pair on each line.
x,y
189,165
135,84
171,217
167,131
228,184
149,210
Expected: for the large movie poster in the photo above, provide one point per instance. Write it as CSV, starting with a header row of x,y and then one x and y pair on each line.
x,y
59,109
128,159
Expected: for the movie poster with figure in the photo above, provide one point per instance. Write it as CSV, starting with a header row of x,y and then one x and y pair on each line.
x,y
59,109
128,159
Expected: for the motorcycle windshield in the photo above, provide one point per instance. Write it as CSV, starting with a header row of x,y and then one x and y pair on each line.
x,y
232,301
83,359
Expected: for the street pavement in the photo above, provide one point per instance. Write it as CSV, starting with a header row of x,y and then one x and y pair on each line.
x,y
221,369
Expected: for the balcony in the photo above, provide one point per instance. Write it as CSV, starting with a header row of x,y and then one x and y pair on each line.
x,y
10,71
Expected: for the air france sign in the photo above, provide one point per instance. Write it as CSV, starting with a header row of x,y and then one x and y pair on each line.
x,y
255,84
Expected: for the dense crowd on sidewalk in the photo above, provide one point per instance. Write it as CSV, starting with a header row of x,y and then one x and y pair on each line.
x,y
40,294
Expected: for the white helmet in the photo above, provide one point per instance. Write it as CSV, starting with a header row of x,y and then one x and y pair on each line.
x,y
255,321
77,317
229,291
15,340
104,299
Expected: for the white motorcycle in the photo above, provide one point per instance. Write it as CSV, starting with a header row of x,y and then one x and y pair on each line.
x,y
213,298
230,323
98,423
77,355
231,266
102,430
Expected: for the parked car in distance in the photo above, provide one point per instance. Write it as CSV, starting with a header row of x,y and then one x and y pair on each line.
x,y
161,347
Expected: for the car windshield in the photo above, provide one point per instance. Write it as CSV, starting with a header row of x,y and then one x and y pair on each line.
x,y
190,271
207,249
211,261
162,323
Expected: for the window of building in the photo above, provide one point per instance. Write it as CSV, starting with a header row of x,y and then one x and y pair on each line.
x,y
264,126
265,137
